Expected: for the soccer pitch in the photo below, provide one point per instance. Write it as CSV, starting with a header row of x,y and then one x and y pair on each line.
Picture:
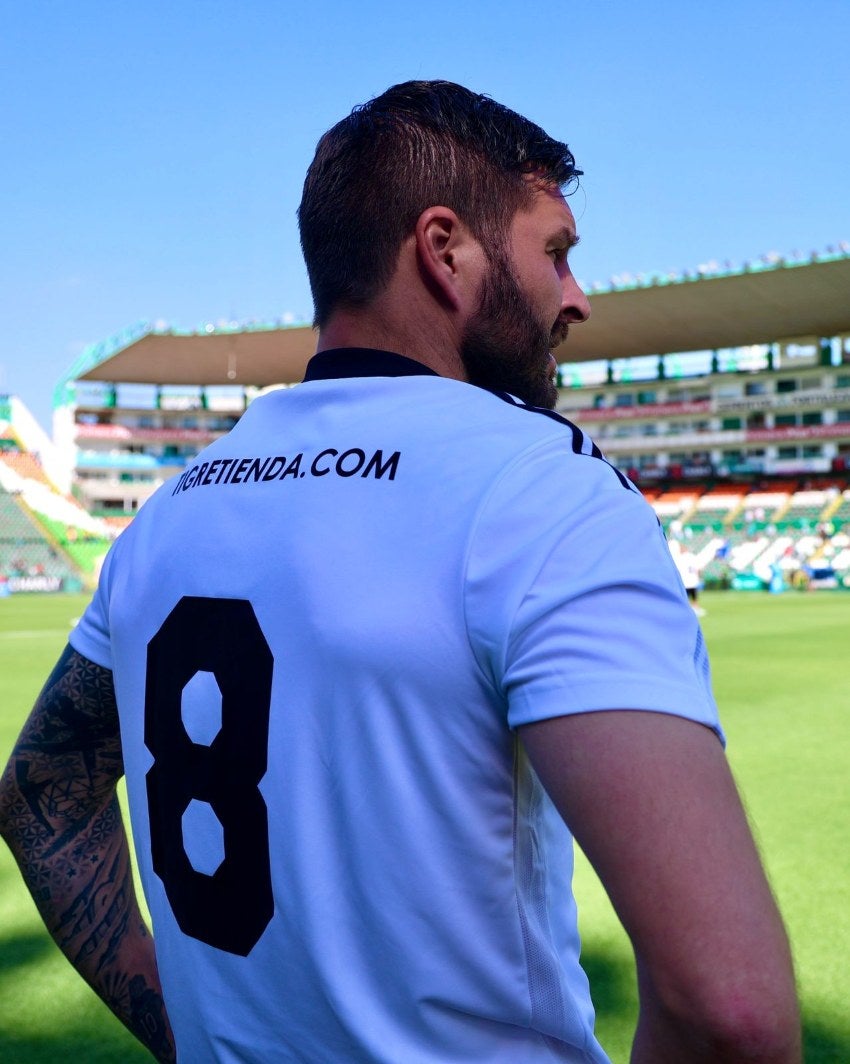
x,y
781,679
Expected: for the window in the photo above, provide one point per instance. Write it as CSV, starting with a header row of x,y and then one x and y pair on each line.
x,y
645,398
813,417
787,452
135,478
755,421
842,380
624,399
811,384
813,451
784,420
755,388
787,385
730,424
843,416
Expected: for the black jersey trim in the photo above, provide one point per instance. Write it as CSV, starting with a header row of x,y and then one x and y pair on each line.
x,y
340,362
343,362
578,435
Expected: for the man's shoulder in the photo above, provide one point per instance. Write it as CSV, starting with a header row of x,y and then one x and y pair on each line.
x,y
545,428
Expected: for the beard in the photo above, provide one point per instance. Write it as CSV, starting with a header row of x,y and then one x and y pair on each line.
x,y
505,347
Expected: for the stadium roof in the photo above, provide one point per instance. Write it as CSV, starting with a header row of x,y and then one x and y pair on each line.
x,y
768,301
758,304
222,354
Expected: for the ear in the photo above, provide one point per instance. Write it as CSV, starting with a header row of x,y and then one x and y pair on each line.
x,y
449,257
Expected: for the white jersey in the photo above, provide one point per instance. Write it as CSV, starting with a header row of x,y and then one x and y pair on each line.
x,y
323,635
686,564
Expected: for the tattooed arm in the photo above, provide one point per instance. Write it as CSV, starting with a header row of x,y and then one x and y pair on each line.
x,y
60,816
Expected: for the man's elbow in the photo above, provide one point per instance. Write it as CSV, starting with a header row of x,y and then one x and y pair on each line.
x,y
754,1020
762,1029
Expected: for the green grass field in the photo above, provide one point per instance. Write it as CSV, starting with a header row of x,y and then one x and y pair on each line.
x,y
781,673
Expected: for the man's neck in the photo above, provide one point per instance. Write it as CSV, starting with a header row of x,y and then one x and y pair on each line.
x,y
356,329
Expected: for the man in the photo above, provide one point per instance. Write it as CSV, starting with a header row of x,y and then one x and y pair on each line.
x,y
379,651
686,564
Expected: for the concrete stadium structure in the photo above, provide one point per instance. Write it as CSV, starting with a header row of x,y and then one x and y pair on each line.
x,y
723,374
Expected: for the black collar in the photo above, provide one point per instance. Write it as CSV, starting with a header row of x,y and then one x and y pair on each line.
x,y
362,362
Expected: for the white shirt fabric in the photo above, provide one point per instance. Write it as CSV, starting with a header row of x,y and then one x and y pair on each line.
x,y
686,565
440,565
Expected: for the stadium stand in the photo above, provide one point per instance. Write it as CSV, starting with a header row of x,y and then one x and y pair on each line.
x,y
25,465
766,506
675,506
738,435
27,559
837,552
717,507
757,533
808,507
841,515
48,542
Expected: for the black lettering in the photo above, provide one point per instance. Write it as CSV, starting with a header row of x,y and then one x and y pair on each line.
x,y
293,467
199,479
211,471
378,469
240,469
231,908
226,463
190,478
360,457
179,483
277,463
256,469
314,468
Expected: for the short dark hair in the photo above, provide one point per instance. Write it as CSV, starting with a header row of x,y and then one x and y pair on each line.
x,y
417,145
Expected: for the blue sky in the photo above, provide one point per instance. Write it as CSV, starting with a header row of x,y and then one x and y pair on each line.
x,y
154,152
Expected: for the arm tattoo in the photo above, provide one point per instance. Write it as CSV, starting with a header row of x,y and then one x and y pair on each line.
x,y
61,818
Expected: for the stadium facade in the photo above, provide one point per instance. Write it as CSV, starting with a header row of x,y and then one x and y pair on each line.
x,y
719,374
724,393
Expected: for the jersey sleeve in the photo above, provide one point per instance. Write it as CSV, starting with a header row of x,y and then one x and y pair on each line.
x,y
573,603
90,636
